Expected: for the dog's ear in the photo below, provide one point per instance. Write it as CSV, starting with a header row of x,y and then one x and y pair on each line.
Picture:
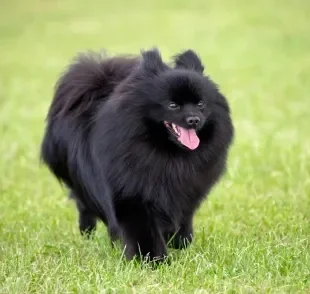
x,y
189,60
152,62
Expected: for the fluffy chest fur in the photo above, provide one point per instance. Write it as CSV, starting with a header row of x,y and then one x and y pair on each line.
x,y
136,168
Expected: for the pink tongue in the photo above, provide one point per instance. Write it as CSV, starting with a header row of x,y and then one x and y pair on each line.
x,y
188,138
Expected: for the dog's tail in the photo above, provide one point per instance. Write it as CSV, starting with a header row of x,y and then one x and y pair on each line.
x,y
91,77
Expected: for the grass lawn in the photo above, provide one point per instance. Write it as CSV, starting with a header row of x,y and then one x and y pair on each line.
x,y
252,235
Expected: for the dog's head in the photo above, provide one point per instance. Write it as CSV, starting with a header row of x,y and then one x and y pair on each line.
x,y
178,99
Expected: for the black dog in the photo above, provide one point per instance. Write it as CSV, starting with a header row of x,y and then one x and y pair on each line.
x,y
140,144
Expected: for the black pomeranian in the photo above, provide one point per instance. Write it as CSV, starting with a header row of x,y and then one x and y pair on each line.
x,y
140,144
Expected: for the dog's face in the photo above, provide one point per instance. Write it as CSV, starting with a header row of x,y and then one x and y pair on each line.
x,y
178,100
182,106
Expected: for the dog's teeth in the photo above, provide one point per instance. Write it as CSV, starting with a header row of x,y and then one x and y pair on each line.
x,y
175,128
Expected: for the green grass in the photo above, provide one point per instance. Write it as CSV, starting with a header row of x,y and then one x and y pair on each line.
x,y
252,235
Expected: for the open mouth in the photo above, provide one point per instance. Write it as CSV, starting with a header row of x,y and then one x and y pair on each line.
x,y
187,137
173,128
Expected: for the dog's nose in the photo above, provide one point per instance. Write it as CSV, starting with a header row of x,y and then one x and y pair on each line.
x,y
193,121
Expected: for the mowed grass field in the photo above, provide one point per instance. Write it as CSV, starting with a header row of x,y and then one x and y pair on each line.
x,y
252,235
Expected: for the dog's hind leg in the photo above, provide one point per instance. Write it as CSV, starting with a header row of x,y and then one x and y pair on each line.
x,y
87,220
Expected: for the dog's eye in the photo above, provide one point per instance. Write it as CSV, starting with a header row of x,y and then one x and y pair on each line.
x,y
200,104
173,105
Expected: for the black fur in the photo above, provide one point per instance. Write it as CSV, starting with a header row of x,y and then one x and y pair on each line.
x,y
107,141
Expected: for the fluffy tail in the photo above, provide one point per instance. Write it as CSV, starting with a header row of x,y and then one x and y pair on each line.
x,y
91,77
